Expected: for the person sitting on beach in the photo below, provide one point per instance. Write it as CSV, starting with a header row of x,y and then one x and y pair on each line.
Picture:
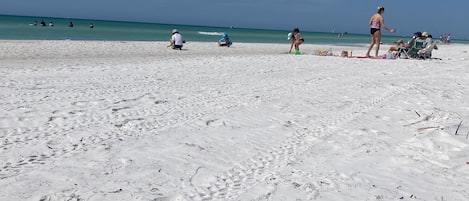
x,y
410,43
393,51
428,46
430,37
428,40
398,45
225,40
176,40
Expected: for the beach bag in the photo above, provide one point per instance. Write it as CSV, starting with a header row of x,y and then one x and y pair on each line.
x,y
390,55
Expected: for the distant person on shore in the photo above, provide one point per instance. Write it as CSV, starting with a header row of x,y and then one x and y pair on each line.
x,y
443,38
91,25
225,40
376,23
70,24
297,40
176,40
448,39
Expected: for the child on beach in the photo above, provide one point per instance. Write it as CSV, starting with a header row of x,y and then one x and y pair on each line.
x,y
296,39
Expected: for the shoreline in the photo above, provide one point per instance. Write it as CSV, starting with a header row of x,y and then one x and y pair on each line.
x,y
48,49
54,49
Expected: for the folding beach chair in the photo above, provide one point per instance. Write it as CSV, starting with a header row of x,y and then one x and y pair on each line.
x,y
426,53
402,53
413,51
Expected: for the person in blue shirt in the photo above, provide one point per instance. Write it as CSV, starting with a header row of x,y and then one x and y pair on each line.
x,y
225,40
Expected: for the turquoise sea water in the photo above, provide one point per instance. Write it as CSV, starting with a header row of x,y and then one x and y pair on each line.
x,y
22,28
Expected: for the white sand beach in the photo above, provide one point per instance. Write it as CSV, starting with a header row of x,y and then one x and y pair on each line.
x,y
135,121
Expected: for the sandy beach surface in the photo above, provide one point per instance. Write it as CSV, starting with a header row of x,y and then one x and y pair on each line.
x,y
131,121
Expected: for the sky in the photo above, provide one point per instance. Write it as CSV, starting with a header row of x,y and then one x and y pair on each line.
x,y
436,17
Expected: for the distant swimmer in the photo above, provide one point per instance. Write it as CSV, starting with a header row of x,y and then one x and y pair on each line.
x,y
341,35
43,24
51,24
35,23
91,25
70,24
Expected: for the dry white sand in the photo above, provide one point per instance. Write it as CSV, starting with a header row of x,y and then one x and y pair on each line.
x,y
94,121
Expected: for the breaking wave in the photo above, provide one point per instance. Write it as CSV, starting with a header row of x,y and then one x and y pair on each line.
x,y
210,33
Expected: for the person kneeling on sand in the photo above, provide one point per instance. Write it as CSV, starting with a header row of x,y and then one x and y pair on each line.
x,y
176,40
225,41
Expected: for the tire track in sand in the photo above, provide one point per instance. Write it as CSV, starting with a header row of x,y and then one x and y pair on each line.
x,y
129,123
246,174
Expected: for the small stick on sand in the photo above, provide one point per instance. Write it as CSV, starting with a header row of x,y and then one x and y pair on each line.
x,y
417,113
456,133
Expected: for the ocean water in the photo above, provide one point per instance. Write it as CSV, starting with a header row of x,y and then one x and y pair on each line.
x,y
22,28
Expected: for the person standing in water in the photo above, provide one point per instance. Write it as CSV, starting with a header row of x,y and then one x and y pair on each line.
x,y
376,23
